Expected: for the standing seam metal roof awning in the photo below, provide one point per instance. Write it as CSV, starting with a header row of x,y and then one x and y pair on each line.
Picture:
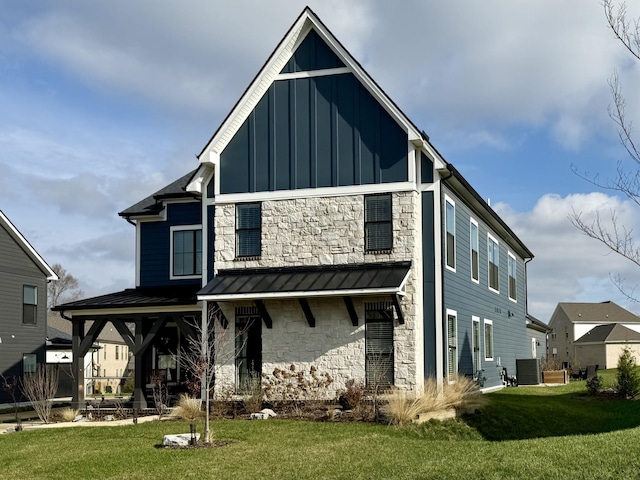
x,y
314,281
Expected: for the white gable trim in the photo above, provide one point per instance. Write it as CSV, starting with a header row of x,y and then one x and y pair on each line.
x,y
26,246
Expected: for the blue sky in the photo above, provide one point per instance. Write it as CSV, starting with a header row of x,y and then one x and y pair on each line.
x,y
105,102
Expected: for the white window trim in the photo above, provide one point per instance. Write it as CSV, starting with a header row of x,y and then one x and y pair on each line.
x,y
448,199
493,339
178,228
454,314
515,276
473,221
492,238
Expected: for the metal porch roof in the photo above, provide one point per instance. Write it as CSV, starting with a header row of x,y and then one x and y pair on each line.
x,y
308,281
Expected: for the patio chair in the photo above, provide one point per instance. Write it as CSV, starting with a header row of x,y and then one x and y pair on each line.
x,y
592,371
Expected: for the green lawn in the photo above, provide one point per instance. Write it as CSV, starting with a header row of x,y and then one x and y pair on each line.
x,y
525,432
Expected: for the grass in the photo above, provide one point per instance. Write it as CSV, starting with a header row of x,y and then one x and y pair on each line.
x,y
532,432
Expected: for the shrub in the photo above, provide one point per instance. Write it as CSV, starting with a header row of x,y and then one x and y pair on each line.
x,y
463,393
253,399
188,408
128,384
353,395
627,379
67,414
594,384
40,388
296,386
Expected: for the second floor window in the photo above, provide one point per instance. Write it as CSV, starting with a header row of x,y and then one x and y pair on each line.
x,y
512,278
475,249
378,231
494,263
29,304
248,221
187,251
450,224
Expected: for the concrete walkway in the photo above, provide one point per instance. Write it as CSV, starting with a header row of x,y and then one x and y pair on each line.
x,y
37,424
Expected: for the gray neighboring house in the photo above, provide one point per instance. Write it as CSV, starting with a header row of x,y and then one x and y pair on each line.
x,y
604,344
23,296
537,332
574,327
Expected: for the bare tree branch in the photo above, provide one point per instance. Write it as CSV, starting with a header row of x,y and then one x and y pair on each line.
x,y
626,30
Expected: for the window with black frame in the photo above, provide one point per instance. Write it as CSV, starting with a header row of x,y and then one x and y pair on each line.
x,y
378,231
248,222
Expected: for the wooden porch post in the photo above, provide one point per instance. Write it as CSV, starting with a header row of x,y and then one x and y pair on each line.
x,y
139,381
78,399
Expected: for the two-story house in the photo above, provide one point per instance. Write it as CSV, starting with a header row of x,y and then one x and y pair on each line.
x,y
328,231
23,304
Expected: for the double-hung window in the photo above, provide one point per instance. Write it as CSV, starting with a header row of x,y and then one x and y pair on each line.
x,y
186,251
475,251
494,264
450,226
512,278
488,339
452,339
248,233
378,231
29,304
378,340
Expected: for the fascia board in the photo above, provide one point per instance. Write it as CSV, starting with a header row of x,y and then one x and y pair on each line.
x,y
305,294
26,246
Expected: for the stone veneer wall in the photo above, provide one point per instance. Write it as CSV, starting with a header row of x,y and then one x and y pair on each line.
x,y
326,231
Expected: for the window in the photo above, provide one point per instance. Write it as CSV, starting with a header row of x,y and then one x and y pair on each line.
x,y
29,304
248,221
378,233
186,247
475,249
494,263
452,339
379,344
488,339
105,352
248,348
512,278
475,338
117,352
450,224
29,363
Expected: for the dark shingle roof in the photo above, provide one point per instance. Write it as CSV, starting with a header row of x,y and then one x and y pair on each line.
x,y
152,205
605,312
56,336
613,332
136,297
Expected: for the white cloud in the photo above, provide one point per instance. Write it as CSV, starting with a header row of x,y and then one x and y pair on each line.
x,y
568,266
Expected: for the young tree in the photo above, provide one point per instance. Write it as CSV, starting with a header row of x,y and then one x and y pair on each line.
x,y
11,385
210,350
65,289
627,377
616,236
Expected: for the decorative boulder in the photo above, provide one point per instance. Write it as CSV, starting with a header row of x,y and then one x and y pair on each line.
x,y
259,416
79,418
108,418
178,440
268,412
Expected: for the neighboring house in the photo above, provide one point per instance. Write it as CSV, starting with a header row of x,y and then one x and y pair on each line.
x,y
322,228
537,334
576,340
23,304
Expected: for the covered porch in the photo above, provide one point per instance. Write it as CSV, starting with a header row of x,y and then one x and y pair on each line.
x,y
155,324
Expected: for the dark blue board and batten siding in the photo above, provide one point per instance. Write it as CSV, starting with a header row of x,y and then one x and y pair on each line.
x,y
323,131
469,299
155,246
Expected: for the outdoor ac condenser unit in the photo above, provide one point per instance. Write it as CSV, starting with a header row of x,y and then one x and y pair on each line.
x,y
528,371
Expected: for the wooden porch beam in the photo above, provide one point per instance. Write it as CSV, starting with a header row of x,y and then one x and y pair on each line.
x,y
125,333
307,312
396,303
90,337
353,315
264,313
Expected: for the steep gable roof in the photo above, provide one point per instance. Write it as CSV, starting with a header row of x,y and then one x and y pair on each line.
x,y
279,62
605,312
611,333
26,246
